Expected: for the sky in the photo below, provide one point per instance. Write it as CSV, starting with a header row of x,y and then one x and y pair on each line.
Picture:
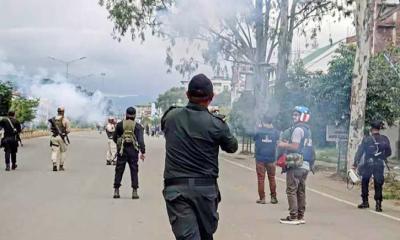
x,y
31,31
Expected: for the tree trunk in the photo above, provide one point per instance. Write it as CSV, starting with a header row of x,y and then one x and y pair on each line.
x,y
364,18
283,51
258,82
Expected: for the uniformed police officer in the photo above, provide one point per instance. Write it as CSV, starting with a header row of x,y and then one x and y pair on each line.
x,y
12,129
128,136
193,137
60,128
375,149
111,146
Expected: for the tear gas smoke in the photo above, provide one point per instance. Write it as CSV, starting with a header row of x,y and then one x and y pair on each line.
x,y
202,15
54,91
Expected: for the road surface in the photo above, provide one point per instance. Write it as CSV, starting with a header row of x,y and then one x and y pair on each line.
x,y
36,203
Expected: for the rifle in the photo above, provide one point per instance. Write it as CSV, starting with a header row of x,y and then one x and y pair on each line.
x,y
387,164
19,139
64,136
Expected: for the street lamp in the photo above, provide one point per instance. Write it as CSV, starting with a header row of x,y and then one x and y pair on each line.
x,y
67,63
103,75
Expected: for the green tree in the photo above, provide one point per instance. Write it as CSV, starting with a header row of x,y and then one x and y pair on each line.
x,y
5,98
241,117
25,109
328,95
333,90
383,88
241,32
172,97
223,99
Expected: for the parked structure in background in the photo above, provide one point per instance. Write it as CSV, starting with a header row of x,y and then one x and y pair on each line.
x,y
143,111
242,79
386,29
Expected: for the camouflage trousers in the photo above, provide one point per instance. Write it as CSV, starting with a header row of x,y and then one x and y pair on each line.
x,y
111,150
58,150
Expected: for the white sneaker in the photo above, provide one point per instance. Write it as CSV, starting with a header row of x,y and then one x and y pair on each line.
x,y
302,221
289,220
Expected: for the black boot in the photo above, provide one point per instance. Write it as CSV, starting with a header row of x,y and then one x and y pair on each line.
x,y
108,162
61,168
364,204
54,168
14,166
378,206
116,193
7,167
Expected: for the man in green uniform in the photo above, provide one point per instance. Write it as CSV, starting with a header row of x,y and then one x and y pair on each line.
x,y
193,138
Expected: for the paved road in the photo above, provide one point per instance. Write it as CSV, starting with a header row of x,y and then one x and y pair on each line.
x,y
36,203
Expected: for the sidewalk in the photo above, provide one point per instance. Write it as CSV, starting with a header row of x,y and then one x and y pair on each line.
x,y
323,182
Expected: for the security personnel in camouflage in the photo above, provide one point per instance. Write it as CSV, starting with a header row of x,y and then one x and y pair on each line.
x,y
60,128
128,136
193,138
111,146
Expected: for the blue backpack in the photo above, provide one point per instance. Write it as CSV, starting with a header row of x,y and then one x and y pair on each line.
x,y
306,147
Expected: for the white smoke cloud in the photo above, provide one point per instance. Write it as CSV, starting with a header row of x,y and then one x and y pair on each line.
x,y
202,15
55,92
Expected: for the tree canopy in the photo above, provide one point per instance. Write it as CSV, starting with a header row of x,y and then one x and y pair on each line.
x,y
25,109
241,32
223,99
5,98
172,97
328,94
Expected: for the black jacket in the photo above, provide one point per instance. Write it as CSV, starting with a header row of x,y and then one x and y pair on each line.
x,y
193,136
368,148
8,130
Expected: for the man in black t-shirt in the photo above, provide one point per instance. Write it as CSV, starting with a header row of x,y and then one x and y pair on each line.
x,y
375,149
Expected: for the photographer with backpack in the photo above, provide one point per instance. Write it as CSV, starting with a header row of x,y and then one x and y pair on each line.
x,y
128,136
376,149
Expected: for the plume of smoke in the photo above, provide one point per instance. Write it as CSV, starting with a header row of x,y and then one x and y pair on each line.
x,y
202,15
54,91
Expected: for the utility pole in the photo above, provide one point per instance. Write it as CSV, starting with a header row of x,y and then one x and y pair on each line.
x,y
103,75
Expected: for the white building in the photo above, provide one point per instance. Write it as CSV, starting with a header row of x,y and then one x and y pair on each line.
x,y
242,79
143,111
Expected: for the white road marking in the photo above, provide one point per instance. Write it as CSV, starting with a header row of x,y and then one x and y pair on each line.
x,y
317,192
